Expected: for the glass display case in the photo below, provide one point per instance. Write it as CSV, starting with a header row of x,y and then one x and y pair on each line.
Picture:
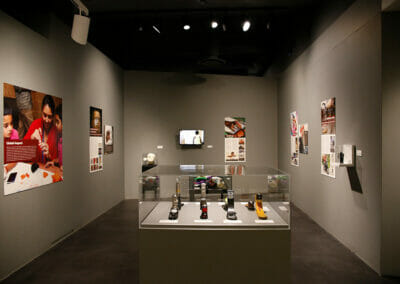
x,y
215,218
214,196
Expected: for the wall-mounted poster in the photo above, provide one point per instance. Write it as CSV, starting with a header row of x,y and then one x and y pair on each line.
x,y
294,151
32,132
235,139
108,139
303,138
294,139
328,137
96,140
294,124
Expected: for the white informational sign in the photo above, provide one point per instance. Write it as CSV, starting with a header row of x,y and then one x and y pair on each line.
x,y
328,137
96,149
235,139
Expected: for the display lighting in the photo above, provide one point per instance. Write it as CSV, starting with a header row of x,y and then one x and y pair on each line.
x,y
214,24
156,29
80,26
246,26
186,27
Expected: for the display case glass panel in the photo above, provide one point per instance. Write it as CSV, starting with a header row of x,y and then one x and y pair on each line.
x,y
214,196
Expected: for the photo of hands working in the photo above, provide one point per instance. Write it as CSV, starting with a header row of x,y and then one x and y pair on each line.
x,y
32,132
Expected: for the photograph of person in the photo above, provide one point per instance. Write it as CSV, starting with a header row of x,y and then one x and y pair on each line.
x,y
95,122
8,126
197,138
44,130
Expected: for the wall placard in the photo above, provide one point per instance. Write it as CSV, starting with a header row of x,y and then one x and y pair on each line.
x,y
32,132
96,140
108,139
235,139
328,137
303,138
294,139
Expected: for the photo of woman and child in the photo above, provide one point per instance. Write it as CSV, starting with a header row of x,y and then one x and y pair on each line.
x,y
32,131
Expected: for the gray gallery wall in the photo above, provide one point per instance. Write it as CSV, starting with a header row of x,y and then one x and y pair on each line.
x,y
390,144
343,62
31,221
157,105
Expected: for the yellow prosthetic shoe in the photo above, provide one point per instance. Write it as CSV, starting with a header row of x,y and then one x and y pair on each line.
x,y
259,207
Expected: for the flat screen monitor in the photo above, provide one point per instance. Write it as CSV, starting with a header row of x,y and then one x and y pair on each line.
x,y
191,137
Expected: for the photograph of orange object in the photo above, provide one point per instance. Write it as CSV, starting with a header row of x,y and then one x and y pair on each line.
x,y
259,207
235,127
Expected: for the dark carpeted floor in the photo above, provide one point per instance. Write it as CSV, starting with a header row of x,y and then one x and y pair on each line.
x,y
106,251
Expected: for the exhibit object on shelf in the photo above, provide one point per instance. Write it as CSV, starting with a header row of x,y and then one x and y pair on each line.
x,y
149,160
178,194
203,200
191,137
32,132
259,207
204,211
108,139
250,205
235,139
173,213
328,137
231,214
96,149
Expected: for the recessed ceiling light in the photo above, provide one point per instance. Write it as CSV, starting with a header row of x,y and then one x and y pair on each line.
x,y
214,24
156,29
246,26
186,27
140,29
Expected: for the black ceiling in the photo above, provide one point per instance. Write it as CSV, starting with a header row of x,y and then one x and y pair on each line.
x,y
123,30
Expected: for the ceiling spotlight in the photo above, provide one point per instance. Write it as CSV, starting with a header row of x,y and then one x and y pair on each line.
x,y
140,29
186,27
214,24
80,26
246,26
156,29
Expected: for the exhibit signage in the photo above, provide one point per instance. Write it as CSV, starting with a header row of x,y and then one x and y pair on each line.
x,y
96,140
108,139
235,139
294,139
328,137
303,138
32,132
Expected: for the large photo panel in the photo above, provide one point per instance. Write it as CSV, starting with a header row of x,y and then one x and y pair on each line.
x,y
32,133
